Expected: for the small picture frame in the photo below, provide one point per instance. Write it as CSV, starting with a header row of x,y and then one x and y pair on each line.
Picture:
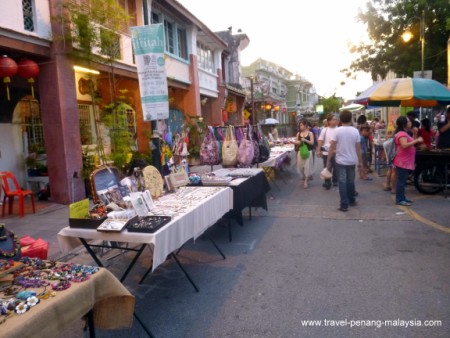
x,y
139,204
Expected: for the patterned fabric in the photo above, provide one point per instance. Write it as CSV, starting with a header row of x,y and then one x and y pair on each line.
x,y
209,151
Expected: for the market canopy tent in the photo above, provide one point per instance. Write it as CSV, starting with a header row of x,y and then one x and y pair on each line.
x,y
353,107
405,92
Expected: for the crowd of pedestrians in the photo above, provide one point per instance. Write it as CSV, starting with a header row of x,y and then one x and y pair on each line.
x,y
347,151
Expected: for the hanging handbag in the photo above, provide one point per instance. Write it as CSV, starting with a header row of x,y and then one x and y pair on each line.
x,y
263,144
229,148
246,153
255,145
209,152
304,151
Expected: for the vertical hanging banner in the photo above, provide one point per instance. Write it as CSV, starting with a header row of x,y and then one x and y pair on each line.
x,y
148,46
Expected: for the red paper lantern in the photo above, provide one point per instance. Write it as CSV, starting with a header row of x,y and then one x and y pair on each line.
x,y
8,68
28,69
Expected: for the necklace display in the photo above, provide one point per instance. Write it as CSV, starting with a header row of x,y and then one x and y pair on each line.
x,y
37,280
181,201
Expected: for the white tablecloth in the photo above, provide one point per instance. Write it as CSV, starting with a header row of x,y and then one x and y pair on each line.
x,y
188,225
278,154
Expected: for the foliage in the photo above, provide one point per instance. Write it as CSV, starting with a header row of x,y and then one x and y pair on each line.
x,y
330,104
94,28
386,20
137,160
115,117
89,163
196,134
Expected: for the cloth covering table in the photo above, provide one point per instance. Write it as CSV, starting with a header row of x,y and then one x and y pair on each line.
x,y
248,192
188,225
111,302
278,156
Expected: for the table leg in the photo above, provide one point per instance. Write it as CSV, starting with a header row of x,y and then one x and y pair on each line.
x,y
184,271
215,245
99,263
91,252
90,323
146,329
446,178
133,262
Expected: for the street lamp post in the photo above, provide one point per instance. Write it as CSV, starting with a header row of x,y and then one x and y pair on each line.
x,y
252,99
407,35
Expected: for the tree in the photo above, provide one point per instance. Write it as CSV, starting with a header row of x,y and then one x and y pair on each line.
x,y
386,20
93,28
330,104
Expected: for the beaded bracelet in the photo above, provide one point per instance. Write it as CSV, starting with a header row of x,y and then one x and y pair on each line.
x,y
6,264
62,285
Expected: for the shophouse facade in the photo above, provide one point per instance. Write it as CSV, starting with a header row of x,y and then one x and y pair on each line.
x,y
63,103
278,93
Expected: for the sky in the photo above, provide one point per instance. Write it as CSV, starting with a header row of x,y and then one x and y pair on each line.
x,y
306,37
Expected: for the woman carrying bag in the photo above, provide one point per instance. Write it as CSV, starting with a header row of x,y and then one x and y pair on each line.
x,y
305,141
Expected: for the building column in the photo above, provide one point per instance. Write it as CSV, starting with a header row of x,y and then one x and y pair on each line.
x,y
60,120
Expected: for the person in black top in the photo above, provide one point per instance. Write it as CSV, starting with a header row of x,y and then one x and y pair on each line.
x,y
444,131
415,125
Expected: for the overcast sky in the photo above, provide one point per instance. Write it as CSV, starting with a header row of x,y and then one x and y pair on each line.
x,y
309,38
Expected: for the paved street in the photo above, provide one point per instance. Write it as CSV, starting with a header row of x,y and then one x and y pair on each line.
x,y
378,267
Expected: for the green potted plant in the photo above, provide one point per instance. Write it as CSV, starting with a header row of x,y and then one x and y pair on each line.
x,y
196,135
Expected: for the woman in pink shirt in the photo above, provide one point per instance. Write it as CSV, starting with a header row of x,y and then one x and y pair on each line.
x,y
404,159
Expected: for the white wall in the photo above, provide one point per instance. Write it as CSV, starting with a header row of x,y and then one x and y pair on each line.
x,y
12,17
12,158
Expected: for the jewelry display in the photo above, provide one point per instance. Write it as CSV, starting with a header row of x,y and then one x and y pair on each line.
x,y
178,203
149,224
6,264
36,280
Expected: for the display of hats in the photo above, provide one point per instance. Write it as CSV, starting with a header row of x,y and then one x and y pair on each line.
x,y
153,181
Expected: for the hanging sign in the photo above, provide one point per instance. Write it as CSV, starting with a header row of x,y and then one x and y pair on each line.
x,y
148,47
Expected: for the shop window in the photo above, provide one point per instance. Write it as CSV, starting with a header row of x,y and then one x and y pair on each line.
x,y
28,15
182,44
170,45
155,18
87,125
31,124
175,36
205,58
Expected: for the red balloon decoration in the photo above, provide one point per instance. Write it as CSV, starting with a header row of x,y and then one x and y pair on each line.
x,y
8,68
28,69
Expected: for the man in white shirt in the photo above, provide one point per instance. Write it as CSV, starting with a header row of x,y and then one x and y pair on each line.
x,y
323,144
346,149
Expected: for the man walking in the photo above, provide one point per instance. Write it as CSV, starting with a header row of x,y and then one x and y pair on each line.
x,y
346,149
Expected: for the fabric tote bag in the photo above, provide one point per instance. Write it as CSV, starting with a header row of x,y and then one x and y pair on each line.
x,y
209,152
230,148
246,152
